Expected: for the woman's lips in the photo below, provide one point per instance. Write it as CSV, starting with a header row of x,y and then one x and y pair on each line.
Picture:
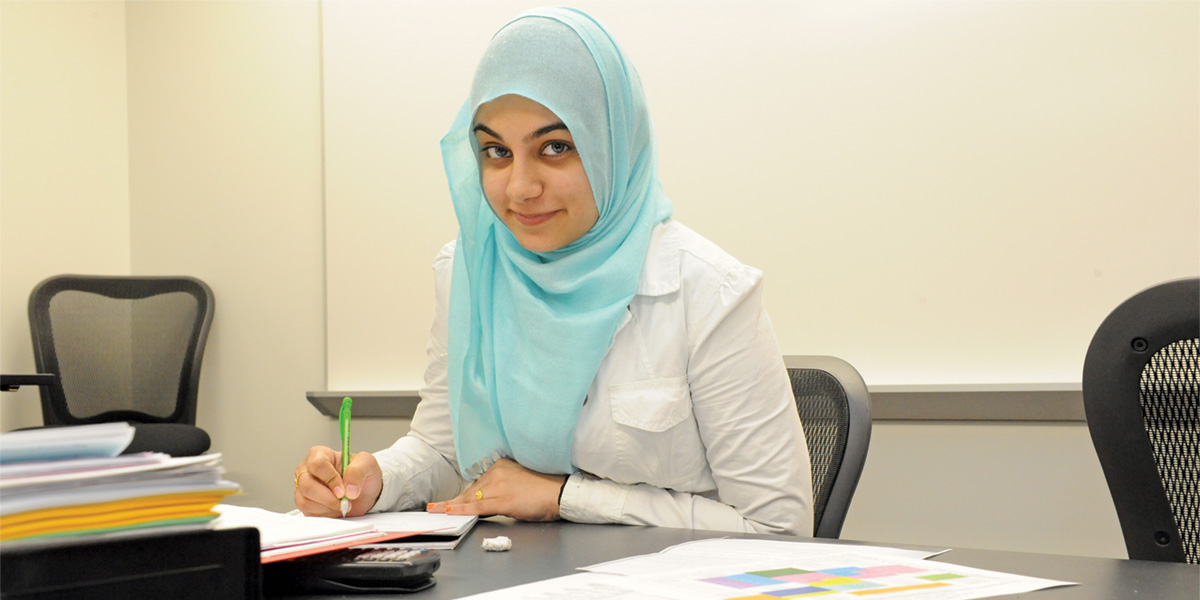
x,y
534,220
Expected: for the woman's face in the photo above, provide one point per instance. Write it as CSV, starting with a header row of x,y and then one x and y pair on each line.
x,y
532,175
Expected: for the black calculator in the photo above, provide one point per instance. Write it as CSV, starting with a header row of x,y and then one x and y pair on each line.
x,y
353,571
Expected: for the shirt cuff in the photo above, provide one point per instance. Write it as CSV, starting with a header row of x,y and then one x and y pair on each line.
x,y
389,496
589,499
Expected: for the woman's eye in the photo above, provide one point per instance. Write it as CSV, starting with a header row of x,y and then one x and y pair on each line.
x,y
496,152
556,148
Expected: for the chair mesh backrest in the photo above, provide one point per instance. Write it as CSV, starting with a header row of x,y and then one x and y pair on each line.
x,y
825,415
119,354
1170,399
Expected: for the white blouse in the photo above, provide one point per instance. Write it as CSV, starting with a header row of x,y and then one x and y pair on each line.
x,y
690,421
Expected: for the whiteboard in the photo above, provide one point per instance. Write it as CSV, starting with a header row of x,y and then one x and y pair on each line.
x,y
937,192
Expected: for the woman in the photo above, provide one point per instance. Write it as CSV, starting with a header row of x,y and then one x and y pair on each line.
x,y
591,359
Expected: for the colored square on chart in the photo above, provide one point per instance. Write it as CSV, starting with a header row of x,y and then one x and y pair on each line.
x,y
832,581
804,592
805,577
850,587
844,571
730,582
887,571
777,573
901,588
941,577
752,579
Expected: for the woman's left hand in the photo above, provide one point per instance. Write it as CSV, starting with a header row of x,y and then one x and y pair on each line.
x,y
508,489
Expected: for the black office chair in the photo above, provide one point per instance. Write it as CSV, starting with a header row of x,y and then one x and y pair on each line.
x,y
1142,401
835,410
124,349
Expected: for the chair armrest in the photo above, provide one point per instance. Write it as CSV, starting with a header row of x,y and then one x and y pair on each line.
x,y
9,383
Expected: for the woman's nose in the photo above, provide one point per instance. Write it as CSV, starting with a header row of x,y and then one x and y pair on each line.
x,y
524,182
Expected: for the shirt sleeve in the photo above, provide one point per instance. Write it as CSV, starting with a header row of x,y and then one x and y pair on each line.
x,y
422,467
747,420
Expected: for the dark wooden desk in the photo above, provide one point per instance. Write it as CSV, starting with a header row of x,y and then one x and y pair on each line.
x,y
546,550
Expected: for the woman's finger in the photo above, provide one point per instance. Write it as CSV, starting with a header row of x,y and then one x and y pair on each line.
x,y
468,496
483,508
315,482
364,483
327,471
313,508
312,499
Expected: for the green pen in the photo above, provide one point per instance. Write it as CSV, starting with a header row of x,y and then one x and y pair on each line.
x,y
344,426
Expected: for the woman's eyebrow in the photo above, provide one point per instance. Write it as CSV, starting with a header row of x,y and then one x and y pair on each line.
x,y
484,128
541,131
547,129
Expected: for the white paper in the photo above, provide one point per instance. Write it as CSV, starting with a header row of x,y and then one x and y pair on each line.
x,y
289,532
123,478
720,552
44,473
75,465
51,443
725,569
419,522
322,544
278,529
838,576
737,569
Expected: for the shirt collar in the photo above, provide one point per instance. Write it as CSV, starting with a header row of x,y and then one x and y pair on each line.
x,y
660,272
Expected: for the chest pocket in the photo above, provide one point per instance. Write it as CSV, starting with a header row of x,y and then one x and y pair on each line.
x,y
655,433
653,406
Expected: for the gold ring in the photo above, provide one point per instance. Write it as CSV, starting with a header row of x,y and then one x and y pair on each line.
x,y
296,481
479,494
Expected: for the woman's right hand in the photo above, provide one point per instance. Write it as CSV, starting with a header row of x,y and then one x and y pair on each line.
x,y
320,485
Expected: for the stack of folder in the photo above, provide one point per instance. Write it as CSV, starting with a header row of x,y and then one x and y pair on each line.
x,y
72,481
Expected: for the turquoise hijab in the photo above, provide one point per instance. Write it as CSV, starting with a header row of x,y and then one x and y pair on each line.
x,y
528,331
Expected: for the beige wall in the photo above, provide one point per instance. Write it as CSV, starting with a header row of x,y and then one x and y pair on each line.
x,y
64,163
187,137
225,180
939,192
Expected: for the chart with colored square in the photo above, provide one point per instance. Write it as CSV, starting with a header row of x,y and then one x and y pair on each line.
x,y
871,581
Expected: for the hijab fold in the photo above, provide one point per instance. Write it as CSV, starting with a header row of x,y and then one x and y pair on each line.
x,y
528,331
